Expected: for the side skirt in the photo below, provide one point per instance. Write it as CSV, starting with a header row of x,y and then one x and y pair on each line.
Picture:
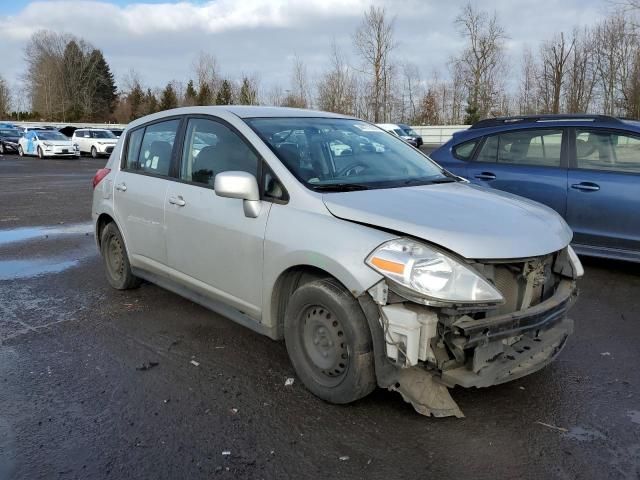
x,y
218,307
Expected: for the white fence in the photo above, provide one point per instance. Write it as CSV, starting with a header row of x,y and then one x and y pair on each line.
x,y
438,134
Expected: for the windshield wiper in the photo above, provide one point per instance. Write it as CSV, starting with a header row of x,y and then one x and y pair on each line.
x,y
422,181
340,187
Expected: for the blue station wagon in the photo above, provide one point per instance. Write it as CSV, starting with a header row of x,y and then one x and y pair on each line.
x,y
587,168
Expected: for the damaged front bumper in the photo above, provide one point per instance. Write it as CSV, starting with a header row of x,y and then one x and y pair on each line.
x,y
507,347
472,352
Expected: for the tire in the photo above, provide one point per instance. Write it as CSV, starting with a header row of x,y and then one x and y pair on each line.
x,y
1,148
20,151
94,152
40,154
329,342
116,259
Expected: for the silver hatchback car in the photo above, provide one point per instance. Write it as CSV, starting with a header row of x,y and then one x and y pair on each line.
x,y
376,266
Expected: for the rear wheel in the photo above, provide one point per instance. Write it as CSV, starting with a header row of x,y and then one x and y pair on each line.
x,y
94,152
1,148
20,151
40,154
329,342
116,259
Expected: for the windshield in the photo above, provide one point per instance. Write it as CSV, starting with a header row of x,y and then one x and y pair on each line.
x,y
410,131
10,133
399,132
103,134
50,135
329,153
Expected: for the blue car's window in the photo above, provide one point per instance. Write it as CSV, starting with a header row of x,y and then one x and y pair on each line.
x,y
465,150
607,151
524,147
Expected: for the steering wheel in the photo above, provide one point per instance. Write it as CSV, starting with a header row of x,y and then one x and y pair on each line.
x,y
351,169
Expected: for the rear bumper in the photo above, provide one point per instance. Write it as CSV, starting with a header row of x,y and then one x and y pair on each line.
x,y
508,347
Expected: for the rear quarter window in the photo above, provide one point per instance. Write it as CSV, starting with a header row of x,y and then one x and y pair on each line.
x,y
464,151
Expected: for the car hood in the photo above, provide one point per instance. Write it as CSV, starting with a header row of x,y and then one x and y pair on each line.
x,y
471,221
59,143
10,139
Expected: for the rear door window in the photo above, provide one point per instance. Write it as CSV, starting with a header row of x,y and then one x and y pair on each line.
x,y
542,148
154,145
601,150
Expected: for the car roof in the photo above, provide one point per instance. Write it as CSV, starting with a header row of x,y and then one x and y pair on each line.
x,y
387,125
242,111
531,122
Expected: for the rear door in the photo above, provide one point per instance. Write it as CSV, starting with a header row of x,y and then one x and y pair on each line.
x,y
604,189
212,245
140,189
531,163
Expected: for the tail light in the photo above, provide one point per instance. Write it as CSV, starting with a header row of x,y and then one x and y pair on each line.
x,y
100,174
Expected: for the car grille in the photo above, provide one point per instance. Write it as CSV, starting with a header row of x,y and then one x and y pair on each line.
x,y
109,149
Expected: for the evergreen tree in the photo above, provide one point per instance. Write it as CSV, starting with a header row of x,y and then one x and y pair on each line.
x,y
204,95
190,95
225,95
168,99
73,67
248,94
104,93
151,102
136,101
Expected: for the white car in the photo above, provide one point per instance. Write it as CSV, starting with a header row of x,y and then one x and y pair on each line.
x,y
46,143
394,129
95,141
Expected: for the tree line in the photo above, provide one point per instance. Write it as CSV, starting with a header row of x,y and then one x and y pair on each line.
x,y
593,69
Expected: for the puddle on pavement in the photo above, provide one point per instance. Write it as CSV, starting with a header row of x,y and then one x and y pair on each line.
x,y
583,434
634,415
14,269
30,233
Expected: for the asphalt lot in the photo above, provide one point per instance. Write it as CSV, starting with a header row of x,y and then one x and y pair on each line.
x,y
76,402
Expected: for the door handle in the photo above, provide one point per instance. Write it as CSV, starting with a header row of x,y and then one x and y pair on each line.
x,y
486,176
179,201
122,187
586,186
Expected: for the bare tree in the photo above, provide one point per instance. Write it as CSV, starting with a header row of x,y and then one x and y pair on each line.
x,y
5,97
337,87
554,55
482,61
374,43
411,92
299,96
527,101
206,70
580,74
615,42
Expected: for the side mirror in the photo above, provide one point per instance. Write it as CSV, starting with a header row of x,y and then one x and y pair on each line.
x,y
240,185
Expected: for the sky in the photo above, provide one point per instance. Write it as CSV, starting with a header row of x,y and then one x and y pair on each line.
x,y
161,39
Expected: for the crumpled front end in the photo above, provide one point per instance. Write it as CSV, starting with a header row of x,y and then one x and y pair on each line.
x,y
478,345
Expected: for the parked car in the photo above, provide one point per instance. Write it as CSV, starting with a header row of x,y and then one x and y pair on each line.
x,y
585,167
116,131
410,132
9,137
377,268
46,143
95,141
398,132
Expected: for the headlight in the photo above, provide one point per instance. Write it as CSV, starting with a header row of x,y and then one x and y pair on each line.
x,y
76,146
578,269
431,275
46,144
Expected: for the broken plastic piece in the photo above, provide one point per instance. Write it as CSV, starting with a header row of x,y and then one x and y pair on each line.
x,y
428,397
194,363
288,382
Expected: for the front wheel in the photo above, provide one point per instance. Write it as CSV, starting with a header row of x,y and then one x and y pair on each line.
x,y
1,148
116,259
329,342
40,154
94,152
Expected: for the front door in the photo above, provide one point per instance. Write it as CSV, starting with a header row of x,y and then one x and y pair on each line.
x,y
604,189
211,244
139,193
529,163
